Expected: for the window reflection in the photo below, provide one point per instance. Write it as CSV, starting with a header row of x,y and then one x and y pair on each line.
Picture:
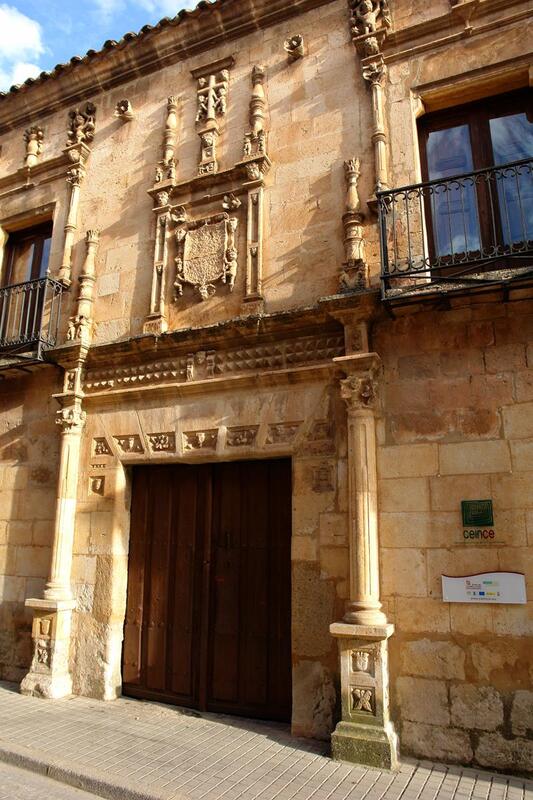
x,y
512,140
453,206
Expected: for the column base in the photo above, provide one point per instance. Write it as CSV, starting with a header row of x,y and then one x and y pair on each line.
x,y
365,744
365,735
49,675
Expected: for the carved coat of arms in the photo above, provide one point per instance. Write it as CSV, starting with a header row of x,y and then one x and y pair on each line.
x,y
206,253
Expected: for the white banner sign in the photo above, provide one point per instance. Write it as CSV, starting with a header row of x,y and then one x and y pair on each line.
x,y
485,587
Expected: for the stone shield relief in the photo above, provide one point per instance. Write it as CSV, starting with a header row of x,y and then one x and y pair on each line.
x,y
206,254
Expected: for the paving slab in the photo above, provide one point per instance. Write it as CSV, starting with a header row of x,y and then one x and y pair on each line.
x,y
135,750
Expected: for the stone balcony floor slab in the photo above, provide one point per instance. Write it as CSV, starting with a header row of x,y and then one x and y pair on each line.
x,y
146,751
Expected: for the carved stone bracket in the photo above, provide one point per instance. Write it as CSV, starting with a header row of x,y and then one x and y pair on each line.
x,y
206,253
370,21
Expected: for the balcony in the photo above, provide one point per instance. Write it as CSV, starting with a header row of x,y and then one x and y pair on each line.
x,y
449,235
29,320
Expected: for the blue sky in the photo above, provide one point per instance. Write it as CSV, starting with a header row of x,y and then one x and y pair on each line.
x,y
37,35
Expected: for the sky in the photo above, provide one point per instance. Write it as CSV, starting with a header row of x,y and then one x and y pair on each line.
x,y
37,35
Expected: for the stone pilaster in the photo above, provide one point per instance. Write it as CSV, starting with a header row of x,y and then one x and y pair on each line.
x,y
49,672
365,734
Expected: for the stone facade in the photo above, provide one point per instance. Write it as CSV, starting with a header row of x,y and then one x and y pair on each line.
x,y
214,216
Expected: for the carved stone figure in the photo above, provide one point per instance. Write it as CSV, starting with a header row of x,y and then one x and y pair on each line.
x,y
33,137
81,125
124,110
367,16
294,47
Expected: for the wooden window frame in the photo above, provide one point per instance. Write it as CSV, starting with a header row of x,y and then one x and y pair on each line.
x,y
37,233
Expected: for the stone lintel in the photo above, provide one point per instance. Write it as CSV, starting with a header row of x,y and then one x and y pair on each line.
x,y
370,632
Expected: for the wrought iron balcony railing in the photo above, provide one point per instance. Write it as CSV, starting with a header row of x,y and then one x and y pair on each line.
x,y
471,228
29,317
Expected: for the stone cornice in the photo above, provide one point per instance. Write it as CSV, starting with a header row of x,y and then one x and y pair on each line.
x,y
172,40
465,19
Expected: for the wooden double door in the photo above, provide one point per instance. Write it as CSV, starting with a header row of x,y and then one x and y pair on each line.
x,y
208,619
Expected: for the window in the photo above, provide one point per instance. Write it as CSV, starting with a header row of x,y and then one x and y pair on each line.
x,y
27,254
27,301
491,212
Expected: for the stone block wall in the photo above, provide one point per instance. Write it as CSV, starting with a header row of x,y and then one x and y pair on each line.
x,y
458,425
28,478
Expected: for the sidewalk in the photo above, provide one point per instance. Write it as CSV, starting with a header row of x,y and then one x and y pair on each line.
x,y
145,751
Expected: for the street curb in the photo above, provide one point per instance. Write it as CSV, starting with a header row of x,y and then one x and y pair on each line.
x,y
80,777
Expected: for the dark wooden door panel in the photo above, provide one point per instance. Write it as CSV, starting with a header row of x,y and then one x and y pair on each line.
x,y
209,587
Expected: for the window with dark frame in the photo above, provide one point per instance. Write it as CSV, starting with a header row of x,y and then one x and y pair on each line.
x,y
490,212
24,295
27,254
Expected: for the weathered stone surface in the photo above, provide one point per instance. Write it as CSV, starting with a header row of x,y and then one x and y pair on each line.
x,y
433,659
313,604
421,700
522,713
430,741
314,697
509,754
475,707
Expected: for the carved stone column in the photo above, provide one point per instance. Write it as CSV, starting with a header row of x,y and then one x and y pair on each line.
x,y
365,734
354,274
49,672
81,324
375,72
80,133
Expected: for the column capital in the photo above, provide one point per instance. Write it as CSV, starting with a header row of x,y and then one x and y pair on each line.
x,y
71,419
360,386
375,71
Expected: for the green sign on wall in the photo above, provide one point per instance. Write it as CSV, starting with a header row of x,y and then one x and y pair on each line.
x,y
477,512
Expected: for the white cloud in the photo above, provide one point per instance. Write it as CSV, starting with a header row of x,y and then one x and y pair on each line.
x,y
20,40
163,8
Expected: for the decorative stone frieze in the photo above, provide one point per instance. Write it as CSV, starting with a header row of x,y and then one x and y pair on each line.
x,y
354,274
282,433
81,325
200,440
33,138
294,47
205,365
129,444
241,437
124,111
101,447
162,442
